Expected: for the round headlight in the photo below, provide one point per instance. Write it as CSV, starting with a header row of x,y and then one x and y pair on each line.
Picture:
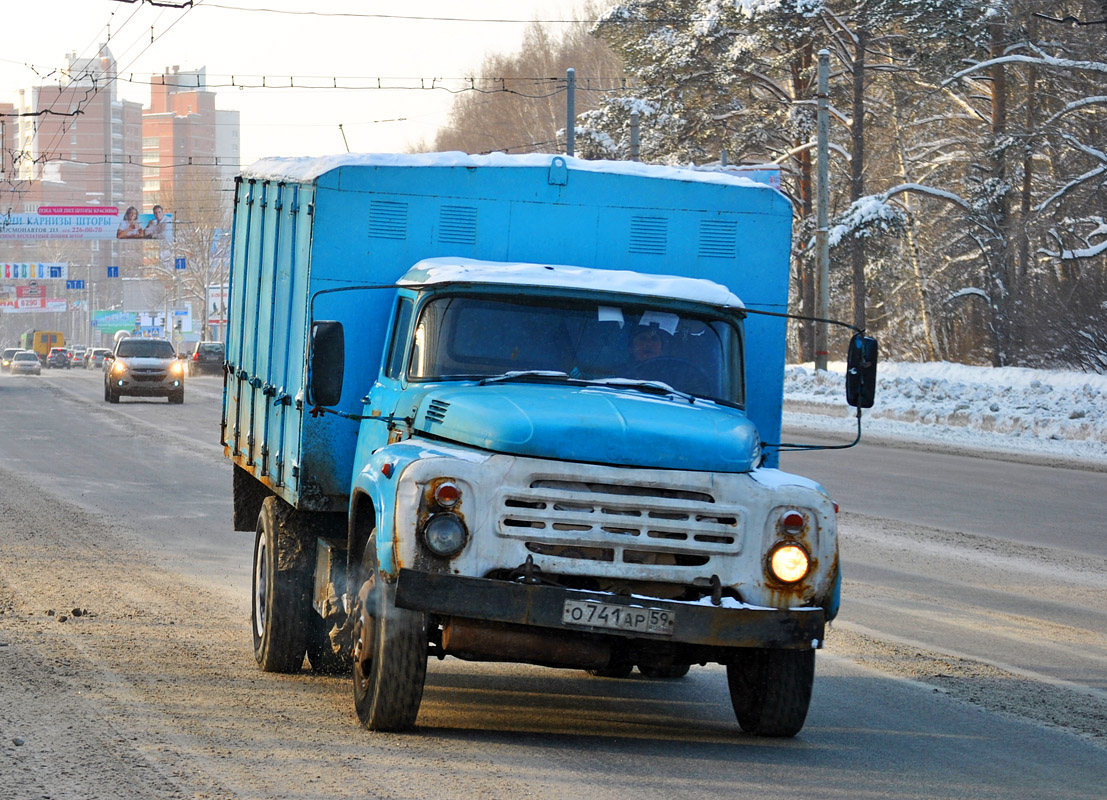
x,y
789,563
445,535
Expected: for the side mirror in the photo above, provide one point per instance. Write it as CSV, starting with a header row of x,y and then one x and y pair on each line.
x,y
328,358
861,371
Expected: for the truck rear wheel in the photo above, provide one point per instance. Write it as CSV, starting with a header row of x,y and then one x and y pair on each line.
x,y
771,690
390,653
280,599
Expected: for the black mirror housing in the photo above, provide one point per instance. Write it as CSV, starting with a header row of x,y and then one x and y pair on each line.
x,y
328,359
861,371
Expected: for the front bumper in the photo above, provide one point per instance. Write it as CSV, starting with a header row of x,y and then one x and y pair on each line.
x,y
542,606
146,386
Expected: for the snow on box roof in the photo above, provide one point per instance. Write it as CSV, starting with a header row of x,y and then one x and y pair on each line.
x,y
307,169
433,271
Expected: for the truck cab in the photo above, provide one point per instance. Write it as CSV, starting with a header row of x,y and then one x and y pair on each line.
x,y
572,481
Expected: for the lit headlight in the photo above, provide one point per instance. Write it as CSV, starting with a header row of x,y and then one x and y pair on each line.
x,y
445,535
177,368
789,562
118,368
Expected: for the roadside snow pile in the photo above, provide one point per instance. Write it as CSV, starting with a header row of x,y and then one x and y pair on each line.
x,y
1063,414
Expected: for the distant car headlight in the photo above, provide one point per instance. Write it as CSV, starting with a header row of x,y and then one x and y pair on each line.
x,y
445,535
789,562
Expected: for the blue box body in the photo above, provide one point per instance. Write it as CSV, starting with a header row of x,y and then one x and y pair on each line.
x,y
302,227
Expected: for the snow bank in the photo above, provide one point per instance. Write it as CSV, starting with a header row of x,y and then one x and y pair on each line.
x,y
1063,414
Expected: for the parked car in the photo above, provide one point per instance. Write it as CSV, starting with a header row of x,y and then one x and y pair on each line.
x,y
6,357
95,357
59,358
144,368
207,357
25,362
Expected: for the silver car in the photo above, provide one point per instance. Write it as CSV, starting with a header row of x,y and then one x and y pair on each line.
x,y
144,368
26,362
96,358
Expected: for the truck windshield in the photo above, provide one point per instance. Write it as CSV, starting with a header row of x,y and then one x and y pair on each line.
x,y
467,337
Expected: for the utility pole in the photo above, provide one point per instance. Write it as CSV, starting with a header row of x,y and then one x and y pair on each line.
x,y
822,200
570,111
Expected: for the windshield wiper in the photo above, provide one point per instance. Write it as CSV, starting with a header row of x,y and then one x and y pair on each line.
x,y
533,376
649,387
556,376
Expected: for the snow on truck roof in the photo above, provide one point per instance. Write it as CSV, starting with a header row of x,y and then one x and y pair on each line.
x,y
435,271
309,168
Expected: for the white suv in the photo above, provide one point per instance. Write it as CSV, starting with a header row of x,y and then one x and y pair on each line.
x,y
144,368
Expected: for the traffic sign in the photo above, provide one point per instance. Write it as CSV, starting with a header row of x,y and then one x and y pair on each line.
x,y
79,284
113,272
179,263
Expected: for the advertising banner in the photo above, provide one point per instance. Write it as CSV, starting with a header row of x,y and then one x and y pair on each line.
x,y
29,305
111,322
217,303
88,223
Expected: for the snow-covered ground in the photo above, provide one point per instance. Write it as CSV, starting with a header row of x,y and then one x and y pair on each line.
x,y
1055,415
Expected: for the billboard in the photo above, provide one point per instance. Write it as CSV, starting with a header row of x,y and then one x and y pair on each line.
x,y
88,223
110,322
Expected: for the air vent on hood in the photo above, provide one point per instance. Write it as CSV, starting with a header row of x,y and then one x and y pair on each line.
x,y
436,411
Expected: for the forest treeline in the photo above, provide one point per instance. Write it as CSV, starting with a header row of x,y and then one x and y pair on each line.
x,y
969,156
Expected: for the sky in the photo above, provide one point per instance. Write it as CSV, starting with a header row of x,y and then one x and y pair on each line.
x,y
1054,415
406,45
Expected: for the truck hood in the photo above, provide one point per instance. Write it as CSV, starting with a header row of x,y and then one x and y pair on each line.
x,y
597,425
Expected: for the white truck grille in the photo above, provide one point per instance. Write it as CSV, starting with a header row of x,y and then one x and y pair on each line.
x,y
620,523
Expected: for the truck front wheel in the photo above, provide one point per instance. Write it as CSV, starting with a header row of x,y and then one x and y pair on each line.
x,y
280,599
771,690
390,653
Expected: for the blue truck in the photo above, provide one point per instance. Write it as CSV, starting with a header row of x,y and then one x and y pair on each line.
x,y
526,409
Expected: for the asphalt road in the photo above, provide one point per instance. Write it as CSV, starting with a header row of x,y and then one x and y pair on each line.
x,y
970,659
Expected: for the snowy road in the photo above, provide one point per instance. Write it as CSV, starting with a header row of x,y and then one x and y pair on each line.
x,y
123,512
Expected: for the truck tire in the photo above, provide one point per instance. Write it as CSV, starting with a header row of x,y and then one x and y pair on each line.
x,y
390,653
280,607
771,690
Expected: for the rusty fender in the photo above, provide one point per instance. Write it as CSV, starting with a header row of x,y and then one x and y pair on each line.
x,y
542,606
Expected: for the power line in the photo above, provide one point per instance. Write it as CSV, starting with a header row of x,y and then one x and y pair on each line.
x,y
405,17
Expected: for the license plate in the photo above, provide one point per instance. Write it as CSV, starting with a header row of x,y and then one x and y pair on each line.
x,y
624,618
